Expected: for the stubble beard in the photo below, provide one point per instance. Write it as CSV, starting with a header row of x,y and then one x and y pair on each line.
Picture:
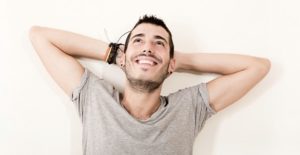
x,y
145,86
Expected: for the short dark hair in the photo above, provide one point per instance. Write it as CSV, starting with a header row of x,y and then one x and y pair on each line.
x,y
155,21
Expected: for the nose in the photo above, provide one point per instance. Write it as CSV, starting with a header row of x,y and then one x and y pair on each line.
x,y
148,48
147,52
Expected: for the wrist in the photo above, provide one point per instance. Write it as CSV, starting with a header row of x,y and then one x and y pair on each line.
x,y
111,53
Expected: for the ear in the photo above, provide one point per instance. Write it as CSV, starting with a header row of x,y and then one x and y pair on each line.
x,y
171,68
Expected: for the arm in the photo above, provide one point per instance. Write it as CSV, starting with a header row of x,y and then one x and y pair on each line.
x,y
57,50
240,73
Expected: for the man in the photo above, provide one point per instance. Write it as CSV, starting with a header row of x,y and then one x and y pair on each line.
x,y
140,120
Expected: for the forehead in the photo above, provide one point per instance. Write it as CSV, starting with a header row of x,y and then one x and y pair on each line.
x,y
150,30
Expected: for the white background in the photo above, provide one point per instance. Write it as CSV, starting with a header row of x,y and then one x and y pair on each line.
x,y
37,118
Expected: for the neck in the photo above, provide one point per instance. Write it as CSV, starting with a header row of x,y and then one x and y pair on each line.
x,y
141,105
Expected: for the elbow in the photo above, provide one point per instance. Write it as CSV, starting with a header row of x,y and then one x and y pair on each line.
x,y
263,65
34,31
266,64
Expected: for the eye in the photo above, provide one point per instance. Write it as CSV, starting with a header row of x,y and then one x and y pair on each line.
x,y
160,43
137,40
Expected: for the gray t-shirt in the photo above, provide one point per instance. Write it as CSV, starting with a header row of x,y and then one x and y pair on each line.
x,y
108,129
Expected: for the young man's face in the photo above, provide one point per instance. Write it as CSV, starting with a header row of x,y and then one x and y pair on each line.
x,y
147,57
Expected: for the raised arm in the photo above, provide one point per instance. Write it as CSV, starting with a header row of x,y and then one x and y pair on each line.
x,y
239,73
57,50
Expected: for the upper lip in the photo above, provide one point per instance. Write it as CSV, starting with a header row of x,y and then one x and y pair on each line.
x,y
151,58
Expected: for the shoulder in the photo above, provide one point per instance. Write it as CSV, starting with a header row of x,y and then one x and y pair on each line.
x,y
96,82
190,92
196,96
91,83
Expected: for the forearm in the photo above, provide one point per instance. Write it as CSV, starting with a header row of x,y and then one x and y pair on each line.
x,y
71,43
218,63
240,74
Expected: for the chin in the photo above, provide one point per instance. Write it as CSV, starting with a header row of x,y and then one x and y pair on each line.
x,y
144,78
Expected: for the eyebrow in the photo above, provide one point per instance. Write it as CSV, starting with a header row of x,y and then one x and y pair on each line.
x,y
138,35
160,37
156,37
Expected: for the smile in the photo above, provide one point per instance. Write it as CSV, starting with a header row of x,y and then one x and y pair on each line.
x,y
144,60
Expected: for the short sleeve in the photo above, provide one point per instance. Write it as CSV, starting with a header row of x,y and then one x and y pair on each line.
x,y
80,94
203,110
194,101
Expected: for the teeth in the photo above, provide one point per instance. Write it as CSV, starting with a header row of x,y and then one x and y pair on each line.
x,y
146,62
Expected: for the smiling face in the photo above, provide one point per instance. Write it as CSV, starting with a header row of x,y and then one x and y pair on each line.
x,y
147,58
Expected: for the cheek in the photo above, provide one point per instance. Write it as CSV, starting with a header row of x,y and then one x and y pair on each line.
x,y
161,48
128,59
131,50
134,46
